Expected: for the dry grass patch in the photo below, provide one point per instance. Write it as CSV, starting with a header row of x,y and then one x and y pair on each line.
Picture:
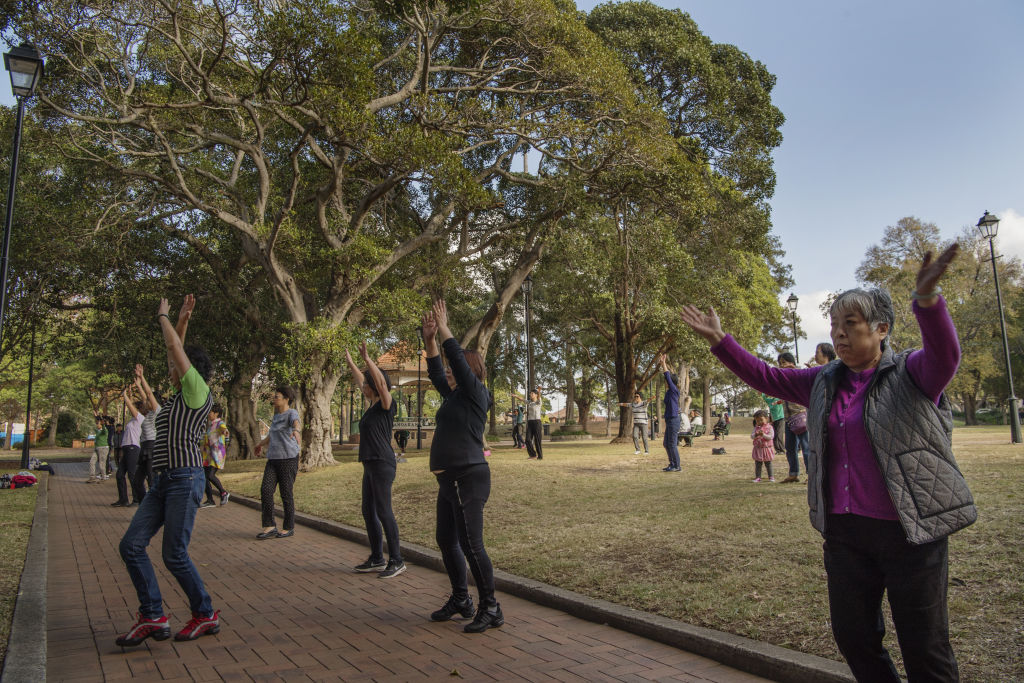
x,y
706,545
16,511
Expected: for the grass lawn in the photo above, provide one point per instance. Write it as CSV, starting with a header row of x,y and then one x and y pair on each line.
x,y
51,455
16,508
705,546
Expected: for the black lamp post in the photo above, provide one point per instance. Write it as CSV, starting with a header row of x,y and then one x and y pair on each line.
x,y
419,389
28,404
989,227
792,301
26,69
527,288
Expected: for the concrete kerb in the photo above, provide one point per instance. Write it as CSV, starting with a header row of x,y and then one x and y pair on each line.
x,y
762,659
26,647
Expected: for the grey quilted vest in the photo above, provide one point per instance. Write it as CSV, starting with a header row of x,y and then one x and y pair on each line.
x,y
910,436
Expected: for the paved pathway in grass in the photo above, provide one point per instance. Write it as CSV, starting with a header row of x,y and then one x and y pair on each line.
x,y
292,609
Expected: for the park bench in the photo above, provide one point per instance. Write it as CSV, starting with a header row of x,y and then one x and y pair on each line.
x,y
695,431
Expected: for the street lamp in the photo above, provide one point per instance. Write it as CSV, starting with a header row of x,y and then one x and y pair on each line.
x,y
26,69
792,301
989,227
527,288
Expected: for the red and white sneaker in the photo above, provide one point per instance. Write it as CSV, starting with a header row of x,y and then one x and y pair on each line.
x,y
145,628
199,626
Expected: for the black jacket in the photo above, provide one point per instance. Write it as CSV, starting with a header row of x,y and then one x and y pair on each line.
x,y
459,429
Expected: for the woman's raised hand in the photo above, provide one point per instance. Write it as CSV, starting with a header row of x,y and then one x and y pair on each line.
x,y
429,325
363,352
138,371
163,308
186,308
441,316
706,325
932,270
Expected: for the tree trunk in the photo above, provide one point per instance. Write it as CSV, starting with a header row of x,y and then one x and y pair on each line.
x,y
51,436
9,443
241,416
584,409
705,393
625,378
494,418
316,394
570,399
970,408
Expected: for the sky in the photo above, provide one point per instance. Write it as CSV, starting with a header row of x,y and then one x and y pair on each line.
x,y
893,108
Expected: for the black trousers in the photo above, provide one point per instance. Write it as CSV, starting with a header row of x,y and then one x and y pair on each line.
x,y
779,443
865,557
533,436
213,483
378,476
517,435
279,473
126,468
143,479
461,497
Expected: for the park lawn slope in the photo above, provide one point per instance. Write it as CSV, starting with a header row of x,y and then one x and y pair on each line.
x,y
705,546
16,511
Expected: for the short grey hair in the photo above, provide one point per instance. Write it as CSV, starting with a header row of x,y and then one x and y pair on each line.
x,y
874,305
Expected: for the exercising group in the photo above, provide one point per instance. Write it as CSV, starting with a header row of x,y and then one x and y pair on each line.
x,y
456,459
884,506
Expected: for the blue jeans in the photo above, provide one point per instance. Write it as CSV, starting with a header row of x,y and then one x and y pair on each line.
x,y
794,441
172,504
672,440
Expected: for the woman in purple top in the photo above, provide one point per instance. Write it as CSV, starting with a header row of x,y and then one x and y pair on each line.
x,y
672,419
883,487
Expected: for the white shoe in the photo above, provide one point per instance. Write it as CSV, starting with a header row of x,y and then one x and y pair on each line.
x,y
636,452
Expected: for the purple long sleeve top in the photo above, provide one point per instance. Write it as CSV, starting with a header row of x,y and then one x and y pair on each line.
x,y
854,477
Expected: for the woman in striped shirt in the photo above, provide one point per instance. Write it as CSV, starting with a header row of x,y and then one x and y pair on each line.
x,y
178,484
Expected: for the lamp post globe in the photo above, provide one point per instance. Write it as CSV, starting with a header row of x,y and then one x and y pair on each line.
x,y
989,227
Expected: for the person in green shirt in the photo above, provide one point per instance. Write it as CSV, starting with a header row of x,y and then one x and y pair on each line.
x,y
100,451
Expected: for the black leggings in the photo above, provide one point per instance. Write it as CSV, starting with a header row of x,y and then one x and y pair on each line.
x,y
144,469
126,475
461,496
283,473
378,476
212,481
533,435
517,435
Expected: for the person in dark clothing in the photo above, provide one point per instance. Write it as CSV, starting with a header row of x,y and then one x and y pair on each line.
x,y
534,427
671,441
379,465
463,477
283,443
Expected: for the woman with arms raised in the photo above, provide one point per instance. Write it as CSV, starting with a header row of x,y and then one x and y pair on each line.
x,y
379,466
883,487
463,477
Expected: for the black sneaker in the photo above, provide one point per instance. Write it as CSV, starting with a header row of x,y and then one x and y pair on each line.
x,y
119,504
208,504
371,565
392,570
224,497
486,617
453,607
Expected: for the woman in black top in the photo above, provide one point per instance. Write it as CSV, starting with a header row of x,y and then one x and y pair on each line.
x,y
463,477
378,466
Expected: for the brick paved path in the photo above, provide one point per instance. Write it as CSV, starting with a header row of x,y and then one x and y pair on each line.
x,y
292,609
